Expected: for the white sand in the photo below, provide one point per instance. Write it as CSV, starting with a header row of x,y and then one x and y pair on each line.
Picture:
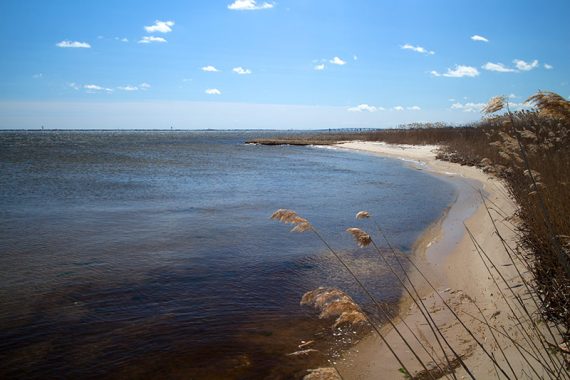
x,y
448,257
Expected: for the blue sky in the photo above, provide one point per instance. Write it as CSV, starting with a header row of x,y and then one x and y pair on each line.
x,y
283,64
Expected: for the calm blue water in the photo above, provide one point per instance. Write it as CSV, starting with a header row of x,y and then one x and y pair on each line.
x,y
151,254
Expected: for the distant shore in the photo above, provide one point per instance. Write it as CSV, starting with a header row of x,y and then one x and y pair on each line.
x,y
447,256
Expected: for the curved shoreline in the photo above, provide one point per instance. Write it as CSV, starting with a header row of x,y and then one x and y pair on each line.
x,y
445,254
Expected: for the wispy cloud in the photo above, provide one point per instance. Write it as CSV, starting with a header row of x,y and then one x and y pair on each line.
x,y
468,107
210,69
477,37
458,72
124,39
498,67
319,67
249,5
160,26
92,88
241,71
413,108
128,88
141,87
213,91
525,66
151,39
73,44
337,61
398,108
548,67
418,49
364,108
38,76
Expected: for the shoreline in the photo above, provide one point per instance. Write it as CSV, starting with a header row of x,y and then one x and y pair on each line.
x,y
446,255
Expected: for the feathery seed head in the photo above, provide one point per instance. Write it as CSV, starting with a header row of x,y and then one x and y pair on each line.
x,y
550,104
302,227
362,215
496,103
361,237
350,318
291,217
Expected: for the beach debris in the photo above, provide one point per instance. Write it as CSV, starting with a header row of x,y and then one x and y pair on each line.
x,y
361,237
305,344
334,303
495,314
303,352
325,373
564,347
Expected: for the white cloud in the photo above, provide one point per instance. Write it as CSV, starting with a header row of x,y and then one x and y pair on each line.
x,y
364,107
398,108
160,26
150,39
124,39
249,5
320,67
413,108
458,72
355,57
512,96
418,49
525,66
241,71
38,76
213,91
74,85
73,44
468,107
498,67
92,88
210,69
337,61
144,86
548,67
477,37
128,88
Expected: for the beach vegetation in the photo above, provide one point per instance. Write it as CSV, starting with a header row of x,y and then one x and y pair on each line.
x,y
529,151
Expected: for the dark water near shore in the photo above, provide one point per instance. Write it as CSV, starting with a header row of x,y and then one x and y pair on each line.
x,y
151,254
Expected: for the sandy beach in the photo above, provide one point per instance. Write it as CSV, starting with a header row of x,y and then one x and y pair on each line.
x,y
447,255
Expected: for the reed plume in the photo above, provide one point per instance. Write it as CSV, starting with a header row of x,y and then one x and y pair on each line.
x,y
550,104
496,103
362,215
361,237
332,302
291,217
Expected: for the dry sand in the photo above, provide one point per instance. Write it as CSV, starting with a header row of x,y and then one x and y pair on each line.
x,y
449,258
